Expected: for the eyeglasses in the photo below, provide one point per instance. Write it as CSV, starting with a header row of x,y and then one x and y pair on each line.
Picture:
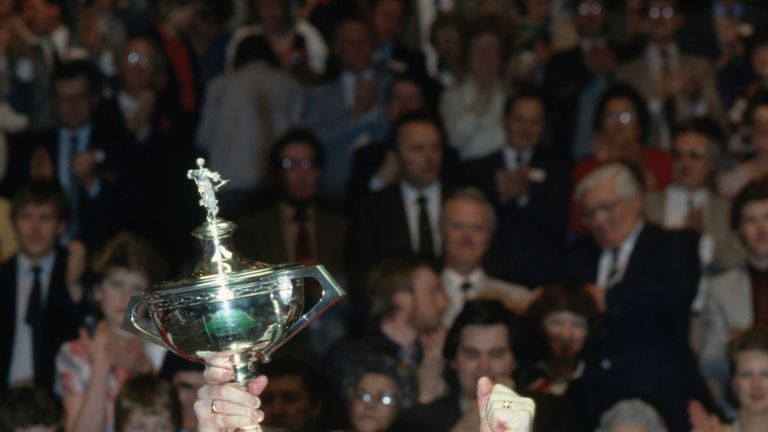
x,y
305,164
658,12
623,117
590,213
383,398
587,9
136,59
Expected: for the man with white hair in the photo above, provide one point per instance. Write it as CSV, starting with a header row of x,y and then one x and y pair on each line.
x,y
644,278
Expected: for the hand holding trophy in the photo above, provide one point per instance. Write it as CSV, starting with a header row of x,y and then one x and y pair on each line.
x,y
229,313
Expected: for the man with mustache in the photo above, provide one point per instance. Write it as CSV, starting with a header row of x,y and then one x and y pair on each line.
x,y
529,189
467,224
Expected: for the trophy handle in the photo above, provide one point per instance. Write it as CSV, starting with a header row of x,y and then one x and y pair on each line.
x,y
332,293
132,323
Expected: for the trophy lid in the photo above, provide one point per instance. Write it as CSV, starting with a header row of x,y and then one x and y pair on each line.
x,y
220,265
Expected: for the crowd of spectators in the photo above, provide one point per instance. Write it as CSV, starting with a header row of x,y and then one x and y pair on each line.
x,y
567,196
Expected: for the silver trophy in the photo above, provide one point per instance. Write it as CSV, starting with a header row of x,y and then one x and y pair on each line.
x,y
227,306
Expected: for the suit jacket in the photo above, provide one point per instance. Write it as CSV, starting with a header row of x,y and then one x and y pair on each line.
x,y
61,320
261,237
728,307
729,252
646,320
379,230
532,236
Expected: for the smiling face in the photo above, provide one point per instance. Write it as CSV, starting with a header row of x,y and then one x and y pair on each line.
x,y
299,173
750,381
620,120
374,403
753,228
37,228
115,292
610,217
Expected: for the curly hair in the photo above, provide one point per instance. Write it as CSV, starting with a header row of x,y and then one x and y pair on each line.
x,y
389,367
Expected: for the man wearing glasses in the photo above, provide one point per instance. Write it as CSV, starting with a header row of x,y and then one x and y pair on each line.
x,y
645,279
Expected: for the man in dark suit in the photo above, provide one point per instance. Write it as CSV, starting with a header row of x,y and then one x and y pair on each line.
x,y
402,219
84,154
295,228
42,295
481,342
529,189
644,279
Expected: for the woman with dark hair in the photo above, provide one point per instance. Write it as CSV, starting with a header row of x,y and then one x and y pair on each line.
x,y
562,327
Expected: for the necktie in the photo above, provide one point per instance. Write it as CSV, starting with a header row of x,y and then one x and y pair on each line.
x,y
613,270
34,318
302,250
426,246
465,287
520,161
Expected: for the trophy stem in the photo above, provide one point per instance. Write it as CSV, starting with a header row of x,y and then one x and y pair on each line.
x,y
244,368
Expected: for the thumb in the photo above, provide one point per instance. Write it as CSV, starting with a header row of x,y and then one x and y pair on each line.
x,y
484,387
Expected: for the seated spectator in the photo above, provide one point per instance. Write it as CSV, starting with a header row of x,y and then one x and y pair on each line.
x,y
406,309
737,299
147,403
467,223
33,329
294,398
246,110
376,392
563,326
634,415
91,369
303,231
27,409
756,167
637,271
748,357
529,189
471,109
690,203
186,377
676,85
621,130
480,343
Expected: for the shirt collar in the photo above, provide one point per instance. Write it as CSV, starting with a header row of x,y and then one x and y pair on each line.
x,y
511,154
81,134
700,195
456,279
629,243
46,264
411,193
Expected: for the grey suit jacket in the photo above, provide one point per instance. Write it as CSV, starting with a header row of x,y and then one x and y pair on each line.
x,y
729,252
728,308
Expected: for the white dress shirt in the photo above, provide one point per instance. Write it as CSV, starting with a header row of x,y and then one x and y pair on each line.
x,y
22,358
480,283
410,196
624,254
516,160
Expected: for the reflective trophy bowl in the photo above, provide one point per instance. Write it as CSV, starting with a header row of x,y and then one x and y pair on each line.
x,y
229,307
